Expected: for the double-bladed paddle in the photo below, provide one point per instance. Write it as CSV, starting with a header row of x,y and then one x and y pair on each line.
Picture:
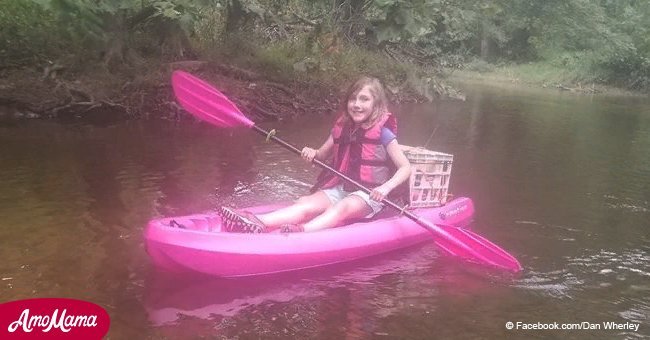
x,y
207,103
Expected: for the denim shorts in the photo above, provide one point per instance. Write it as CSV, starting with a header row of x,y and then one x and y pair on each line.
x,y
337,193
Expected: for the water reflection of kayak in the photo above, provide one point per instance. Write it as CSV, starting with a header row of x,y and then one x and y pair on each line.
x,y
406,278
170,297
196,243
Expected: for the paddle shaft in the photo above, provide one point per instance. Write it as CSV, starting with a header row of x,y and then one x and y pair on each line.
x,y
294,149
207,103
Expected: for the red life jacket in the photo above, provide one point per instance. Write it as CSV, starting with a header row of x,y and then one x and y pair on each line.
x,y
360,155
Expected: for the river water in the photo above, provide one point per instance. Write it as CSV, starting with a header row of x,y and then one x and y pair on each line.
x,y
562,181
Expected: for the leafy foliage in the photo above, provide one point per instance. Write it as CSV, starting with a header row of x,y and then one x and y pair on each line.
x,y
605,40
27,32
394,20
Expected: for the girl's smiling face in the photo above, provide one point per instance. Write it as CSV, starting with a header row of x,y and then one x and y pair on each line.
x,y
361,105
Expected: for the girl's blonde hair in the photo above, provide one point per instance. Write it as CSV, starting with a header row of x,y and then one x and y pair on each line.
x,y
380,105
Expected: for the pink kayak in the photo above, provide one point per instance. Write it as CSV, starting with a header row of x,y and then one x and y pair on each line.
x,y
197,243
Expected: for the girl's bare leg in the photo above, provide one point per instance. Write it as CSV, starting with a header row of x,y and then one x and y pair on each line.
x,y
350,207
304,209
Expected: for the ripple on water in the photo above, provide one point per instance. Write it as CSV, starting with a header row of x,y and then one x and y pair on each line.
x,y
557,284
627,204
551,226
627,263
559,232
638,314
267,189
623,272
600,269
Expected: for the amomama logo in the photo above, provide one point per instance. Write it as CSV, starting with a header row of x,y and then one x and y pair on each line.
x,y
52,318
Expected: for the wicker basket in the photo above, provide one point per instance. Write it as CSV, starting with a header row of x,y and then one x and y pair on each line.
x,y
430,174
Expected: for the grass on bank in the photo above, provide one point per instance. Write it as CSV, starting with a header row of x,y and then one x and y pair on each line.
x,y
537,74
530,73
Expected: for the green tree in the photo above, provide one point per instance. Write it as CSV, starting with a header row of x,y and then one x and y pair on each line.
x,y
121,30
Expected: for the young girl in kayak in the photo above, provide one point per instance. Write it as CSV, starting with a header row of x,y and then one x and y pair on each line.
x,y
362,144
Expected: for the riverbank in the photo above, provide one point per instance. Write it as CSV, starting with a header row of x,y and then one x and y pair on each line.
x,y
268,80
261,90
536,75
145,92
267,85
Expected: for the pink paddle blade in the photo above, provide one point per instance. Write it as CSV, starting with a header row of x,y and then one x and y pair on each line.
x,y
470,246
204,112
205,102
